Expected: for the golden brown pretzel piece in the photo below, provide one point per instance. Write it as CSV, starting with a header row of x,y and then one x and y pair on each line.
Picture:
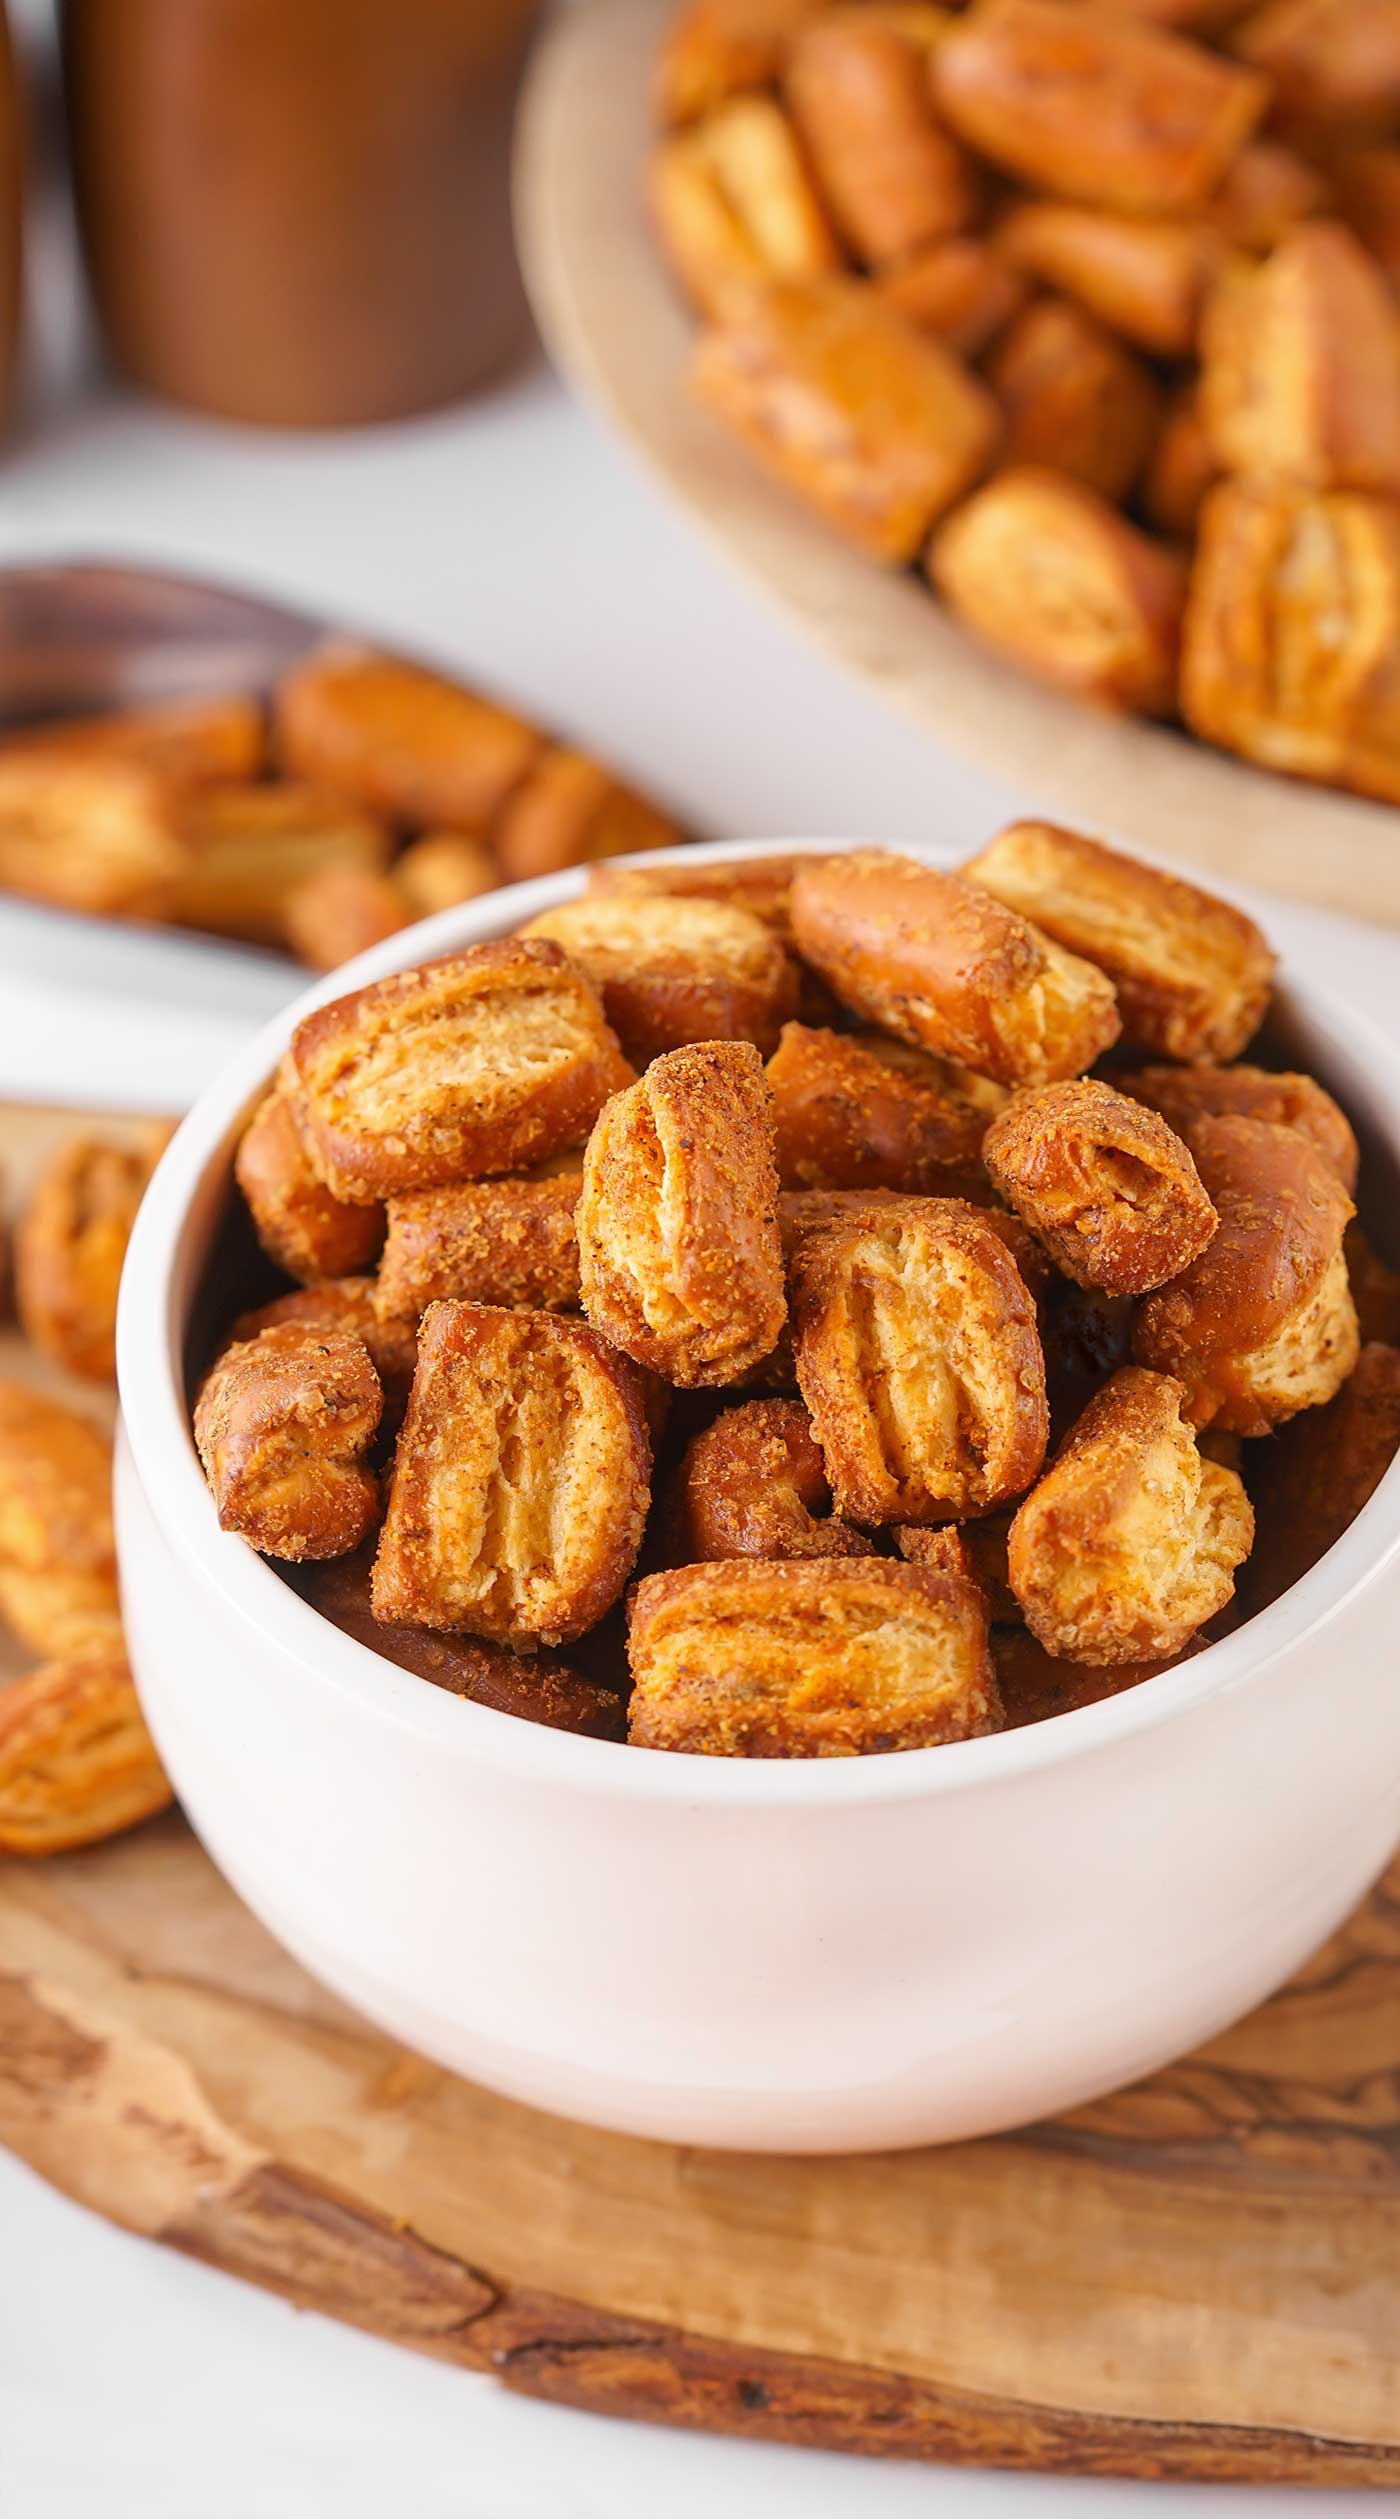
x,y
95,835
1334,64
339,911
1312,1480
484,1063
1300,365
1145,278
537,1687
76,1760
762,885
347,1304
1192,974
247,848
1130,1541
1075,399
1051,575
1103,1182
680,1259
58,1561
300,1223
937,961
521,1480
753,1484
442,868
1262,1324
855,1111
919,1358
1088,104
672,969
188,743
817,1660
858,87
962,291
70,1244
1184,1095
570,810
405,742
718,48
734,205
282,1424
870,420
505,1243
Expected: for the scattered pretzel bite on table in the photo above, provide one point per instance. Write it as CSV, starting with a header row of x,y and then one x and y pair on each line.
x,y
873,421
672,969
1130,1541
919,1358
1291,647
734,205
861,1111
857,83
1262,1324
823,1659
404,742
282,1424
753,1484
570,810
76,1761
521,1481
1074,398
538,1687
303,1227
1049,574
485,1062
1312,1479
944,966
1300,365
680,1258
1095,106
1103,1182
508,1243
58,1559
1184,1095
70,1243
1192,974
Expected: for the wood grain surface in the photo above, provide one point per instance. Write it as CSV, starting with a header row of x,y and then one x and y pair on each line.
x,y
1196,2278
616,326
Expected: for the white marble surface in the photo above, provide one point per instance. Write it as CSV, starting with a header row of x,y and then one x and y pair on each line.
x,y
134,2385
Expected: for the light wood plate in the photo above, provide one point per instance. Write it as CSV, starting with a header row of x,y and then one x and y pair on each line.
x,y
621,335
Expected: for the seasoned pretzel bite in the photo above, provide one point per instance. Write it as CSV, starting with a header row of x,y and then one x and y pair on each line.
x,y
58,1560
1130,1541
346,1304
1300,365
407,743
939,963
1181,469
718,48
817,1660
302,1226
247,849
1313,1478
1146,278
570,810
510,1244
95,835
1192,974
801,1213
920,1360
77,1763
1268,191
857,84
1103,1182
1375,1288
1291,651
70,1243
753,1484
1334,64
671,969
864,416
1079,102
483,1063
941,1551
680,1260
537,1687
442,868
1075,400
1035,1684
188,743
858,1111
1052,576
761,885
734,205
1262,1324
976,1549
1184,1095
521,1480
282,1425
962,291
340,911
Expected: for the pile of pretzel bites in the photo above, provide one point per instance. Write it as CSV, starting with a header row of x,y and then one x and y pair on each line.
x,y
1088,310
845,1306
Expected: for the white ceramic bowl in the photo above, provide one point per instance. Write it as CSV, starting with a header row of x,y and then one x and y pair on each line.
x,y
841,1955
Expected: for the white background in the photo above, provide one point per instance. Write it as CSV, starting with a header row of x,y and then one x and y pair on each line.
x,y
511,538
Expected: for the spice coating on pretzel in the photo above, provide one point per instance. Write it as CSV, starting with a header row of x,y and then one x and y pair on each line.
x,y
753,1484
283,1424
856,1111
671,970
1184,1095
1103,1182
303,1227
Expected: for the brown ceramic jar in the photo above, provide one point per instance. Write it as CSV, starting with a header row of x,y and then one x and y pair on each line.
x,y
296,211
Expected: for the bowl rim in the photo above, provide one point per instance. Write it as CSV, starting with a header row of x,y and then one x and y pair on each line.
x,y
159,1447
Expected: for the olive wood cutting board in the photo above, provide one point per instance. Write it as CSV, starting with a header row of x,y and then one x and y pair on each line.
x,y
1199,2277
